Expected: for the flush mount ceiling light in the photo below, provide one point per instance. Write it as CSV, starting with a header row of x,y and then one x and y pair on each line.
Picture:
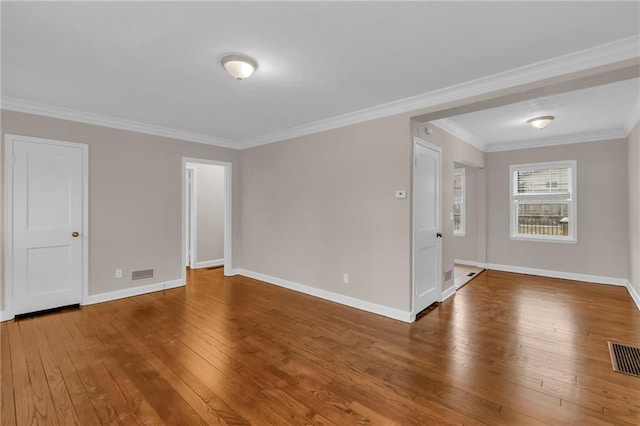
x,y
541,122
240,67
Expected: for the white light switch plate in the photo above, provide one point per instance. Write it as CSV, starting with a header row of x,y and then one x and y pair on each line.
x,y
401,194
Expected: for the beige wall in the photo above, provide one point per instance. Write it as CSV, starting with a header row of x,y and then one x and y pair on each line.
x,y
633,158
318,206
470,246
210,212
135,217
602,212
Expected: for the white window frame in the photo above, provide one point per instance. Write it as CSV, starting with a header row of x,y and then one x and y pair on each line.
x,y
463,202
569,197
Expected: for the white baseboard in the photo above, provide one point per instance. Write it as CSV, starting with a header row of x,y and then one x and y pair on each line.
x,y
634,295
133,291
208,264
448,293
470,263
557,274
386,311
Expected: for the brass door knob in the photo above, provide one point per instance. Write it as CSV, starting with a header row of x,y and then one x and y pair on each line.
x,y
75,234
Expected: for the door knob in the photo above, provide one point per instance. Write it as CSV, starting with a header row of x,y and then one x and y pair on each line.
x,y
439,235
75,234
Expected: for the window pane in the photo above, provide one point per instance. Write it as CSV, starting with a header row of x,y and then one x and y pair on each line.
x,y
543,181
543,219
457,187
457,218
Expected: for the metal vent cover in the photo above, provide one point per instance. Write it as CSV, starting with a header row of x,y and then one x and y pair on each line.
x,y
141,275
447,275
625,359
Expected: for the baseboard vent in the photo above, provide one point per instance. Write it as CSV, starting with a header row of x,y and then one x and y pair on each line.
x,y
447,275
625,359
141,275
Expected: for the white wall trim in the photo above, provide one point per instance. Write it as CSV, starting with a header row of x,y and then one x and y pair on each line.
x,y
63,113
133,291
342,299
4,316
450,126
470,263
634,295
558,274
208,264
633,118
228,213
608,53
448,293
600,135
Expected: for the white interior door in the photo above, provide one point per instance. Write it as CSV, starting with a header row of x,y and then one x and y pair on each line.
x,y
427,241
47,223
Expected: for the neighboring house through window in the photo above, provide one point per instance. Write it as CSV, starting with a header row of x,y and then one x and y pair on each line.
x,y
543,201
459,219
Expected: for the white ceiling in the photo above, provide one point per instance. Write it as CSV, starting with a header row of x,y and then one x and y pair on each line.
x,y
158,62
595,113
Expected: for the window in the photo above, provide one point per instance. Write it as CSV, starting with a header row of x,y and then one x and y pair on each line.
x,y
458,202
543,201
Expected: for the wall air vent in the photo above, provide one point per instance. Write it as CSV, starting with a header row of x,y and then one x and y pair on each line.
x,y
141,275
447,275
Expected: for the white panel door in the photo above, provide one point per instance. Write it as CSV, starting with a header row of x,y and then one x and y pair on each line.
x,y
426,227
47,224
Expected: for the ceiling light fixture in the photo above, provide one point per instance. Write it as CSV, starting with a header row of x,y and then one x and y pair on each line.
x,y
541,122
240,67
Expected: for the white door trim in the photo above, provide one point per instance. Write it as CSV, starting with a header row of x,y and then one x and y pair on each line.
x,y
418,141
228,251
9,140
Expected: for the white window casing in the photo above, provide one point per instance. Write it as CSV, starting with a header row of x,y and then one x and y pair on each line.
x,y
543,202
459,202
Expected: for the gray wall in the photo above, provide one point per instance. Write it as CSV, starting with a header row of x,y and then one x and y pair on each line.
x,y
602,214
470,247
318,206
210,212
633,158
135,196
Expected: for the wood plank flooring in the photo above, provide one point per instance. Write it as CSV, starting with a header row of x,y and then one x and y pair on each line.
x,y
506,349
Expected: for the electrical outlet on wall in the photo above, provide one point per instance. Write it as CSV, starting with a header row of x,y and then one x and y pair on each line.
x,y
345,278
118,273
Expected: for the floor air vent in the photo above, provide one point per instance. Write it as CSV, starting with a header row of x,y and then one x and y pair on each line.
x,y
141,275
625,359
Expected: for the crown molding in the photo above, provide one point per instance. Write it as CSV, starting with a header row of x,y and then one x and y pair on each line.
x,y
633,118
63,113
453,128
604,54
600,135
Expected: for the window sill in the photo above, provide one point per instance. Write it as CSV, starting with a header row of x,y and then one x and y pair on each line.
x,y
544,240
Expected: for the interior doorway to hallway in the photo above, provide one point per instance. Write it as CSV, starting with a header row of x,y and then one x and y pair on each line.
x,y
206,236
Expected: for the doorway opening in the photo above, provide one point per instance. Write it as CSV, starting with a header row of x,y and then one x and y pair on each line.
x,y
469,222
206,213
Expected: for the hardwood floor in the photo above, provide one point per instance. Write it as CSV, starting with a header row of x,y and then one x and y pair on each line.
x,y
506,349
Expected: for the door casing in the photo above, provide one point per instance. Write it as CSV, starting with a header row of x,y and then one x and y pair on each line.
x,y
228,250
418,141
8,312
